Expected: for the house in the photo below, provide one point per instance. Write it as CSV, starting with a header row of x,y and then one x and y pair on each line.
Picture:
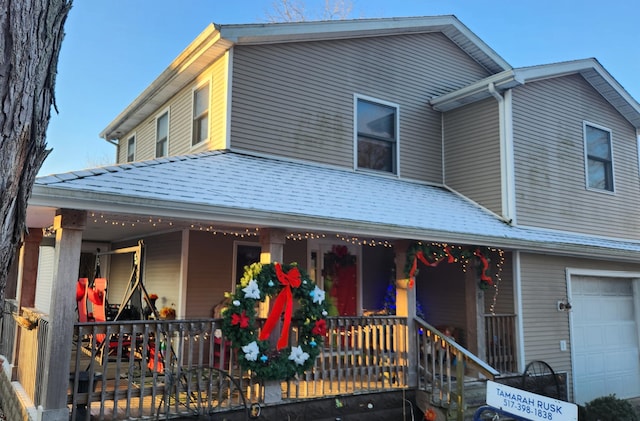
x,y
281,142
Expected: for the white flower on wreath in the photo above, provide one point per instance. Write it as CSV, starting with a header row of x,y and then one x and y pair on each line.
x,y
298,355
252,290
318,295
251,351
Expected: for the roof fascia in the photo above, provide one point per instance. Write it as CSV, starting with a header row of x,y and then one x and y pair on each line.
x,y
252,34
476,91
50,196
616,95
190,56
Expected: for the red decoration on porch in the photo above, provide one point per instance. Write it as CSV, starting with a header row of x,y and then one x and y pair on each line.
x,y
430,415
284,284
240,319
320,328
432,255
485,267
284,302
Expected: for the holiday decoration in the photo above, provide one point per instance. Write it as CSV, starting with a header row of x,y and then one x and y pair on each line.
x,y
285,285
433,254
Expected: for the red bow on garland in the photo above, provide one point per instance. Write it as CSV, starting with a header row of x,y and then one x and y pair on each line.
x,y
485,267
283,302
240,319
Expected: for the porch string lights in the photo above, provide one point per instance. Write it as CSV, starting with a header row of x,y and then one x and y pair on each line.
x,y
459,254
434,253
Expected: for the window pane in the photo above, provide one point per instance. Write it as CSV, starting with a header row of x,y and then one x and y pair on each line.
x,y
375,154
131,149
162,133
200,129
598,143
376,120
201,100
161,148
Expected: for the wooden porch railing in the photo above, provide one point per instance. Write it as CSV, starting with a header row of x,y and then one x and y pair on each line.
x,y
443,366
8,329
165,369
501,342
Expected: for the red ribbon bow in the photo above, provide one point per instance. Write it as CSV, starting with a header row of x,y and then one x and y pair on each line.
x,y
240,319
485,267
283,302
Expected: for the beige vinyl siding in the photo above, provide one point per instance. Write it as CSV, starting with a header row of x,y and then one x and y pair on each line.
x,y
543,283
296,99
181,118
218,105
472,153
44,280
210,272
180,121
160,269
549,160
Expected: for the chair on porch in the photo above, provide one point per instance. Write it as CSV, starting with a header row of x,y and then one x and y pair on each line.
x,y
82,291
98,296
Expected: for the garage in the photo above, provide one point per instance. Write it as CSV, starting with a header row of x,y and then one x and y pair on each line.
x,y
606,358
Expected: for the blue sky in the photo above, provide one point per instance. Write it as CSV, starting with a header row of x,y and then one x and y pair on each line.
x,y
114,48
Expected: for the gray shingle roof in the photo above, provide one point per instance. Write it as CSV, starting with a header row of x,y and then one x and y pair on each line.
x,y
241,187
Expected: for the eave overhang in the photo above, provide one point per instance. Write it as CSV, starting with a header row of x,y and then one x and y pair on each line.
x,y
590,69
215,40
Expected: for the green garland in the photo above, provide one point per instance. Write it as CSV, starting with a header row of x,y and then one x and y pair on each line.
x,y
436,253
239,323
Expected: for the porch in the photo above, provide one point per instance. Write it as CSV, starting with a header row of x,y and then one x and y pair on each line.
x,y
158,369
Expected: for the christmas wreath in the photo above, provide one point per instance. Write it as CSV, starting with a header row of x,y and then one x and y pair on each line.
x,y
284,284
434,254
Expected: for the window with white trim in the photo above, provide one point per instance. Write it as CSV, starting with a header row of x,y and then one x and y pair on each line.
x,y
376,135
200,131
598,157
162,135
131,149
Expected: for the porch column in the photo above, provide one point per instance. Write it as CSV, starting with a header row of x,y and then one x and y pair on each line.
x,y
406,307
27,272
272,250
68,225
474,304
29,267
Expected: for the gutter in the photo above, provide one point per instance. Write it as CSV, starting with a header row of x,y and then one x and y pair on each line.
x,y
507,170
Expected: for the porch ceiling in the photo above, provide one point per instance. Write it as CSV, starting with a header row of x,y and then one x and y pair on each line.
x,y
233,192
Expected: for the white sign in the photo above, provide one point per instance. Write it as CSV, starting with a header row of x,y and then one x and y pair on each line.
x,y
529,405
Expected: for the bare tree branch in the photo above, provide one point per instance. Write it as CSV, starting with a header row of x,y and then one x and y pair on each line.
x,y
297,11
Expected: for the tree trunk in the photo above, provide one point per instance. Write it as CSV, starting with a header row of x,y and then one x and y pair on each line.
x,y
31,33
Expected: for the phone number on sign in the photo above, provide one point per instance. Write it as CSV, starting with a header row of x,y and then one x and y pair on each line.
x,y
527,409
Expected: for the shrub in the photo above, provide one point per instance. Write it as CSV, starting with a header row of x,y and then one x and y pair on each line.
x,y
610,408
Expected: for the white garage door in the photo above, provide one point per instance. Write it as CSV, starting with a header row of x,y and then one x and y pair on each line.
x,y
605,338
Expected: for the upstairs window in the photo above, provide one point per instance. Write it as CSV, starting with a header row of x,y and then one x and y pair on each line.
x,y
377,135
599,157
200,115
162,135
131,149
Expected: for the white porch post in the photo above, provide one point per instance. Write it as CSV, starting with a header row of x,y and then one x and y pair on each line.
x,y
272,244
69,225
406,307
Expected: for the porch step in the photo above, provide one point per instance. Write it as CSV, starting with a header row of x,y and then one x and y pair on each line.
x,y
381,406
475,394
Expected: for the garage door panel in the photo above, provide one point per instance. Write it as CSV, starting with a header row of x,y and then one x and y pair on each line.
x,y
605,338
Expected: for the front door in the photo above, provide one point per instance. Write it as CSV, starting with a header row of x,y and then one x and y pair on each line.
x,y
335,267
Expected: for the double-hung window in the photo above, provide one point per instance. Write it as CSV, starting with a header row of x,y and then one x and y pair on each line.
x,y
162,135
376,135
598,157
200,131
131,148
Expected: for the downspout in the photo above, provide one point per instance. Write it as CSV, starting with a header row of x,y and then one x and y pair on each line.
x,y
505,117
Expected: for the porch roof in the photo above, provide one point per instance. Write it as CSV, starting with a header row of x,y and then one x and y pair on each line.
x,y
234,188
